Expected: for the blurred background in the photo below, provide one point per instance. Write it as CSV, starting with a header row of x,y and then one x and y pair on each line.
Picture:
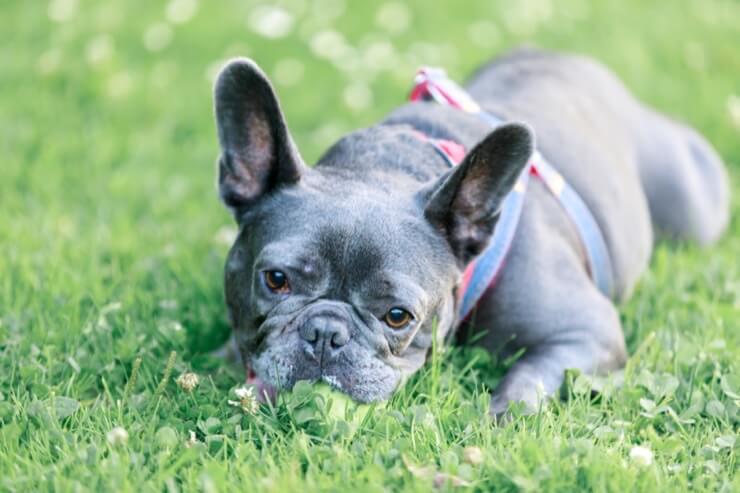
x,y
108,142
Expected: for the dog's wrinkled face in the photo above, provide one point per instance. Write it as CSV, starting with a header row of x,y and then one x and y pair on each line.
x,y
334,278
337,289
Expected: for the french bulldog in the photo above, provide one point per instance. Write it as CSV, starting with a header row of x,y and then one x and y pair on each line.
x,y
345,271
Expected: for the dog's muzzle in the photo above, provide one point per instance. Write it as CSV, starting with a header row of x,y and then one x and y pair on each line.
x,y
324,332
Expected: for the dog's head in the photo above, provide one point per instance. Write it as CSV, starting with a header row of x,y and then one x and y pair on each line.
x,y
338,275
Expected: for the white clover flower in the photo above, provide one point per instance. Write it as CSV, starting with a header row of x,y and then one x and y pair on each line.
x,y
328,44
473,455
117,436
226,235
484,33
271,21
244,392
642,456
181,11
157,36
188,381
49,61
394,17
192,440
168,304
288,72
247,400
358,96
733,109
62,10
99,50
119,85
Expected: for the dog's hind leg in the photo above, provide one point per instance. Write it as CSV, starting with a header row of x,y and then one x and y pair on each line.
x,y
684,179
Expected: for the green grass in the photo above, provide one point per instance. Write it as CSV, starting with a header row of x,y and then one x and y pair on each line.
x,y
112,244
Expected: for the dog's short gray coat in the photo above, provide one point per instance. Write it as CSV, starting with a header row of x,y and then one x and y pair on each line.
x,y
381,222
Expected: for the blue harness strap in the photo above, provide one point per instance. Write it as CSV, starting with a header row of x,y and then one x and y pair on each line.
x,y
597,253
483,271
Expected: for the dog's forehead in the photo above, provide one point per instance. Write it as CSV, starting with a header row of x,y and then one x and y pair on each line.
x,y
351,233
349,247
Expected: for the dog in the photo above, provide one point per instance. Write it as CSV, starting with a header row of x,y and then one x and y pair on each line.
x,y
346,271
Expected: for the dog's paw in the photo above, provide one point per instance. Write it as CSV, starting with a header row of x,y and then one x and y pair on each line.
x,y
521,402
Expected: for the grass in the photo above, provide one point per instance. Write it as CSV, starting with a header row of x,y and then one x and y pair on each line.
x,y
112,243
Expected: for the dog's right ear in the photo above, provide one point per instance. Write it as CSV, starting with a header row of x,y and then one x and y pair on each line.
x,y
257,152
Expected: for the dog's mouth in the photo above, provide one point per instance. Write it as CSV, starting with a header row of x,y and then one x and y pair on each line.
x,y
352,369
265,392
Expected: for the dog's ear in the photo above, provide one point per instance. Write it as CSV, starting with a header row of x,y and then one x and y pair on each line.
x,y
257,152
464,203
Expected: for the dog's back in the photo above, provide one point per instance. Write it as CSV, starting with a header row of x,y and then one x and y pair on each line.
x,y
635,167
641,174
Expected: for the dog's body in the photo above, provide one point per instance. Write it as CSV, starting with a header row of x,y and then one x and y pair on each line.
x,y
381,222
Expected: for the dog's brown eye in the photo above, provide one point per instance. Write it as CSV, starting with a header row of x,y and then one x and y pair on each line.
x,y
276,281
397,318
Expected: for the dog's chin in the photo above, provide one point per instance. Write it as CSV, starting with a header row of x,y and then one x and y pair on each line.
x,y
267,393
361,376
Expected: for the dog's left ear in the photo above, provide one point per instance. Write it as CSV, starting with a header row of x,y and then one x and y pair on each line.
x,y
257,152
464,203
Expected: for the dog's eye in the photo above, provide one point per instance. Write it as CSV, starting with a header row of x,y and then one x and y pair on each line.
x,y
397,318
276,281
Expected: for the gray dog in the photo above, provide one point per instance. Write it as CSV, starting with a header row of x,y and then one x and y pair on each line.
x,y
344,271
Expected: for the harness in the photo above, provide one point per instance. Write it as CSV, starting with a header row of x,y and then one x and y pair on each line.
x,y
482,273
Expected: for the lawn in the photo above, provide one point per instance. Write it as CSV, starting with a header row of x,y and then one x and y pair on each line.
x,y
112,244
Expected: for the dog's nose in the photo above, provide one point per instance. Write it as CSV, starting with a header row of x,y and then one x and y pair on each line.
x,y
325,335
